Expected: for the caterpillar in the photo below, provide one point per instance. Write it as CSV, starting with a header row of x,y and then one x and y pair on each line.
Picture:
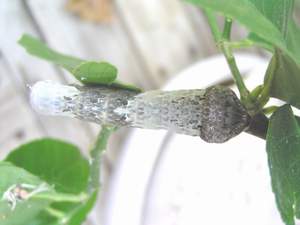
x,y
214,114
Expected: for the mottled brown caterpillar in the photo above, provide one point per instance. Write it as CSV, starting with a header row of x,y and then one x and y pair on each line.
x,y
215,114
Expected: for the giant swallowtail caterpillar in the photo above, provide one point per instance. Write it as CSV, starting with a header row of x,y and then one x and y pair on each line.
x,y
215,114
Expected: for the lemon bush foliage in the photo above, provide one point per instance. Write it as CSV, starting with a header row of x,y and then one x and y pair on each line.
x,y
48,181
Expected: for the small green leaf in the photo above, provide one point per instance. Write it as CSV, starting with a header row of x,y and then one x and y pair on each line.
x,y
87,72
57,162
118,84
284,79
84,71
283,148
90,72
26,209
39,49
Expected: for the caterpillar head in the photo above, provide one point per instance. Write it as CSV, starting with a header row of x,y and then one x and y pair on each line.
x,y
223,115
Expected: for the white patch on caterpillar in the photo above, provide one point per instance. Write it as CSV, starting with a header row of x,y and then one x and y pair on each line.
x,y
50,98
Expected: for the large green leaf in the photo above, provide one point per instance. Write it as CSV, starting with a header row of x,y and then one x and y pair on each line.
x,y
283,148
60,164
245,12
284,79
85,71
278,12
25,209
293,40
57,162
269,21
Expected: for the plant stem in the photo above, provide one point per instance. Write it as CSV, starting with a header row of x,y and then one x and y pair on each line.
x,y
265,93
269,110
227,29
259,122
55,213
245,43
223,43
61,197
213,25
256,92
95,154
245,94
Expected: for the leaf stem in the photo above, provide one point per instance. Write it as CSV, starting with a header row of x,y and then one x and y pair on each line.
x,y
223,43
61,197
265,93
55,213
245,43
244,92
270,109
256,91
95,155
227,29
212,22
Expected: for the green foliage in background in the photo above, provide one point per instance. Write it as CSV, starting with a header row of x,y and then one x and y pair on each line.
x,y
48,181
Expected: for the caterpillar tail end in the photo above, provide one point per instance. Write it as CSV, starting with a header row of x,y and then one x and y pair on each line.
x,y
50,98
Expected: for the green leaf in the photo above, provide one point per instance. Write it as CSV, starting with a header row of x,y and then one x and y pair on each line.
x,y
284,79
293,40
84,71
276,11
57,162
37,48
247,14
26,209
60,164
283,148
268,21
90,72
87,72
261,42
73,214
77,214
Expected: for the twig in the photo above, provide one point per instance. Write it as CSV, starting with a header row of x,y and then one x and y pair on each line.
x,y
95,155
223,43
